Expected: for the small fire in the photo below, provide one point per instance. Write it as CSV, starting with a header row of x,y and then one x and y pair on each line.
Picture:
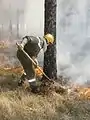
x,y
14,69
20,70
38,72
82,91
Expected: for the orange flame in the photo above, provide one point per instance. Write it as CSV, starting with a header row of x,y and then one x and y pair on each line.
x,y
20,70
84,93
38,72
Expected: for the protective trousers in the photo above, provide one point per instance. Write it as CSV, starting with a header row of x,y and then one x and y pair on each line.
x,y
28,67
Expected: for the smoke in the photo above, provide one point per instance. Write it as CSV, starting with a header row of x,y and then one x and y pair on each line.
x,y
27,13
8,11
34,17
73,39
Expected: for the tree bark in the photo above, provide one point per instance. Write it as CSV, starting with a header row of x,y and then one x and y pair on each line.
x,y
50,67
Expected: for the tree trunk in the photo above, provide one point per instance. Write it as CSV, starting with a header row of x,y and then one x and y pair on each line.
x,y
50,67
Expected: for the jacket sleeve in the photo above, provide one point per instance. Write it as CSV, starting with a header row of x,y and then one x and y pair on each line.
x,y
44,45
24,41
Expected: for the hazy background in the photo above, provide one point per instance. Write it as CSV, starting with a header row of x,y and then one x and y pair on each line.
x,y
19,17
73,34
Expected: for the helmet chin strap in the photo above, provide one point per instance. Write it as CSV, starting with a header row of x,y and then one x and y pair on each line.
x,y
46,40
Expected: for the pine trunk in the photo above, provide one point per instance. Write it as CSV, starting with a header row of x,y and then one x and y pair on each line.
x,y
50,67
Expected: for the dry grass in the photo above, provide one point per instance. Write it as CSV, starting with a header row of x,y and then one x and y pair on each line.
x,y
17,104
22,105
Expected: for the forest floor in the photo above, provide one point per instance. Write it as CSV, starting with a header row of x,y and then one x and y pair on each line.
x,y
18,104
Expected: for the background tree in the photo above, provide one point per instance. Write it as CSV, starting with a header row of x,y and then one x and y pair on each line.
x,y
50,67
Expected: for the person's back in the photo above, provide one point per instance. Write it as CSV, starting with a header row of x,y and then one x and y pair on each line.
x,y
34,45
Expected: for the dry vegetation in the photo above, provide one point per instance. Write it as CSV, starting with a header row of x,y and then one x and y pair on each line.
x,y
17,104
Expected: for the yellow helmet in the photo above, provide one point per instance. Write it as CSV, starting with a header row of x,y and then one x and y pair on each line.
x,y
49,38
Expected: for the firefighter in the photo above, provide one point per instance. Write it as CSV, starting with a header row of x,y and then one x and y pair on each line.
x,y
32,46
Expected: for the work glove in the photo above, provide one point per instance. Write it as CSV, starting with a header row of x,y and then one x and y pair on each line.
x,y
20,46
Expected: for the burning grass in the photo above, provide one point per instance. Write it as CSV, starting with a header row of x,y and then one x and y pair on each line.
x,y
9,71
16,70
83,93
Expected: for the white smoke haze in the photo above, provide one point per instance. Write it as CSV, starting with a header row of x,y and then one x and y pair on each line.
x,y
28,14
34,17
73,44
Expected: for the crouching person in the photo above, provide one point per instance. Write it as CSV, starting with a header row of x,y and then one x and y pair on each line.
x,y
32,46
